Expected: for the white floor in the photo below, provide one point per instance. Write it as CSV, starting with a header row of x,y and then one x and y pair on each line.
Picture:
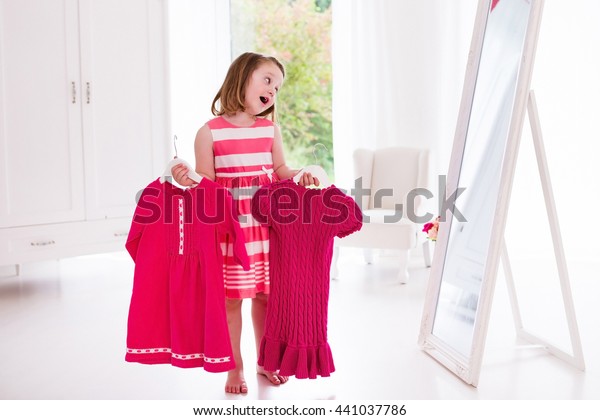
x,y
63,326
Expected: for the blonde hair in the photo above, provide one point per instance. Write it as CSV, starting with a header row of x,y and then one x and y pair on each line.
x,y
230,96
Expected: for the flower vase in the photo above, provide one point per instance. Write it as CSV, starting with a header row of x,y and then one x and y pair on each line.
x,y
428,250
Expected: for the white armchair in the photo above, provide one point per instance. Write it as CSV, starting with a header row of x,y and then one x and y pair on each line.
x,y
390,174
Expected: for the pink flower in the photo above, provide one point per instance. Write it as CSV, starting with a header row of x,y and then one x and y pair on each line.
x,y
431,228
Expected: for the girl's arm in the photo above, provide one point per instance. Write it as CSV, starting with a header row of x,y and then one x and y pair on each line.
x,y
281,169
205,160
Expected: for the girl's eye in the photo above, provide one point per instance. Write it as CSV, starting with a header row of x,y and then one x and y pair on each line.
x,y
268,79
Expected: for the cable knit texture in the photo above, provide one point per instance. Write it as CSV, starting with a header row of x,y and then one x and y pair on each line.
x,y
303,223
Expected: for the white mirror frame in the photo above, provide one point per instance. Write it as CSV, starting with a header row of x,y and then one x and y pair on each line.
x,y
468,367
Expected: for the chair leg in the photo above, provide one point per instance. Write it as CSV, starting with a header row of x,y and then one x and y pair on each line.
x,y
403,271
334,272
368,254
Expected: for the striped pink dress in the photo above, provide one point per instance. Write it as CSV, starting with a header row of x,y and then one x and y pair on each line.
x,y
243,163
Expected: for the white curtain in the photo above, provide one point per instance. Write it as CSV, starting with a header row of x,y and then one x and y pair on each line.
x,y
397,71
199,56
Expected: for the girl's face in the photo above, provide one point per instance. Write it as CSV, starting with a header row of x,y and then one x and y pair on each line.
x,y
262,88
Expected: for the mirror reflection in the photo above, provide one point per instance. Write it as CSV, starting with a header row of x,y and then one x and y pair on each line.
x,y
469,236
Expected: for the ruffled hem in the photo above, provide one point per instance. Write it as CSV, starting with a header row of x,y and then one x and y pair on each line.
x,y
302,362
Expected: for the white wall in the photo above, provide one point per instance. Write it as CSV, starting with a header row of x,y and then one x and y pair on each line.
x,y
567,89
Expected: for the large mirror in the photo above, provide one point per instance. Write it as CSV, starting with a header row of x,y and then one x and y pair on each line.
x,y
489,124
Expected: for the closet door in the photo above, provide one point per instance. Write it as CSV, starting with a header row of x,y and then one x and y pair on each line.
x,y
124,104
41,173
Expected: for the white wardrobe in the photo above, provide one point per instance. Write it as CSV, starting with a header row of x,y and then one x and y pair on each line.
x,y
83,122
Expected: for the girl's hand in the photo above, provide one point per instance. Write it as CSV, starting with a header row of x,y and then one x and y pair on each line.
x,y
307,179
179,173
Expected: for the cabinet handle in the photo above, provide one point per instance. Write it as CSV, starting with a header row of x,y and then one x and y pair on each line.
x,y
73,93
88,91
42,243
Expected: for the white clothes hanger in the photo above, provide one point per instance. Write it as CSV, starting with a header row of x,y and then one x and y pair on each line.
x,y
315,170
168,176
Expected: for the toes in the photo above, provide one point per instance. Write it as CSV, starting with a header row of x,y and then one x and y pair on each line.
x,y
272,377
237,389
276,378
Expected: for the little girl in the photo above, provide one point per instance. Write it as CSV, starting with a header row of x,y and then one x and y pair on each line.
x,y
240,150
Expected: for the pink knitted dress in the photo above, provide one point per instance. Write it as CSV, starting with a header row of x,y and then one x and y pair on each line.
x,y
303,223
243,162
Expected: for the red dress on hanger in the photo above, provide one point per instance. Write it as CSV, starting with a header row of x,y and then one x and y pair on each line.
x,y
303,223
177,311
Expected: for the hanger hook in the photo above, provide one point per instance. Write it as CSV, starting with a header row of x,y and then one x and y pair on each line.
x,y
175,144
314,151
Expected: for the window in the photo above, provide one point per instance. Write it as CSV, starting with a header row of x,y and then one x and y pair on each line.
x,y
298,33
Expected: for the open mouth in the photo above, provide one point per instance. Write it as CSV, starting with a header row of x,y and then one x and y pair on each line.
x,y
264,100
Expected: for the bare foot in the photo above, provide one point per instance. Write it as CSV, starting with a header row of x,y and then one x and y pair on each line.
x,y
274,377
236,383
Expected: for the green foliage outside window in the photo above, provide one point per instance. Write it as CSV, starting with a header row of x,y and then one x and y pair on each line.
x,y
298,33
